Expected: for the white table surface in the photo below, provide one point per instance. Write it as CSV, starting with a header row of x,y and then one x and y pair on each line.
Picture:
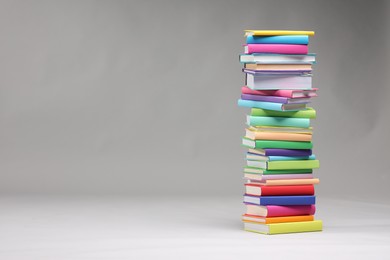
x,y
56,228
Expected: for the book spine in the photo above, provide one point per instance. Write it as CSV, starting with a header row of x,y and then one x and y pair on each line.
x,y
282,39
279,211
278,121
277,48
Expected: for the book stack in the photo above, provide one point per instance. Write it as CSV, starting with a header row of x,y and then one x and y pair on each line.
x,y
279,189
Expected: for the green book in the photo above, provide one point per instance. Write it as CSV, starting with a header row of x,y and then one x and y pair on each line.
x,y
285,165
306,113
263,144
284,228
256,170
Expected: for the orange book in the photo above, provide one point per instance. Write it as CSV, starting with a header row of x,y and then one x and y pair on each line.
x,y
270,220
260,135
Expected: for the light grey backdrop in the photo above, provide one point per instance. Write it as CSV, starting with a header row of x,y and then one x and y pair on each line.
x,y
139,97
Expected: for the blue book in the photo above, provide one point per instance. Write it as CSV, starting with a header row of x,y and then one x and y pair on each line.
x,y
280,200
278,121
279,39
271,105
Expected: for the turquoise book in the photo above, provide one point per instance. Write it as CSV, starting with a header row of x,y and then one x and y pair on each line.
x,y
278,121
270,105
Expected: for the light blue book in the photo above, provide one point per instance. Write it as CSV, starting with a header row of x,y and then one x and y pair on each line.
x,y
278,121
280,39
271,105
289,158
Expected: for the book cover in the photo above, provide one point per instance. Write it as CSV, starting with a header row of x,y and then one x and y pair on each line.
x,y
280,200
270,58
278,39
288,93
276,48
272,182
260,178
299,164
259,190
282,152
305,113
284,228
277,121
274,82
276,144
277,32
257,157
262,171
270,220
276,99
261,135
279,211
270,105
278,67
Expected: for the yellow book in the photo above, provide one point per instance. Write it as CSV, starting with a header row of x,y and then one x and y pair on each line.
x,y
284,228
277,32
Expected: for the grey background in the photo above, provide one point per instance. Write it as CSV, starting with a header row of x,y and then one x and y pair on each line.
x,y
139,97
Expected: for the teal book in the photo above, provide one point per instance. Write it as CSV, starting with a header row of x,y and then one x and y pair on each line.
x,y
277,121
270,105
264,144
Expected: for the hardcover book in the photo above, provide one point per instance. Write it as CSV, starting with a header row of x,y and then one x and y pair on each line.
x,y
284,228
276,99
271,220
259,190
263,135
277,32
276,144
281,152
280,200
289,93
269,58
277,121
284,165
276,48
270,105
258,81
279,211
278,39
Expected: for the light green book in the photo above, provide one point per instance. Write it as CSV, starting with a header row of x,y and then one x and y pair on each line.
x,y
306,113
285,165
284,228
256,170
263,144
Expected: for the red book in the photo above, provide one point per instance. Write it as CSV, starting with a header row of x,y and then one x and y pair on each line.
x,y
260,190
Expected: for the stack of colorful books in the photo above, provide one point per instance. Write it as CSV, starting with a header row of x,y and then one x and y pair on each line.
x,y
279,189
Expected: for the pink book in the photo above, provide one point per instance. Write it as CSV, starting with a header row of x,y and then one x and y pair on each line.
x,y
289,93
276,48
280,211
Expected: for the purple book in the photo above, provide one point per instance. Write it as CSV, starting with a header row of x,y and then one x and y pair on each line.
x,y
275,99
286,152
